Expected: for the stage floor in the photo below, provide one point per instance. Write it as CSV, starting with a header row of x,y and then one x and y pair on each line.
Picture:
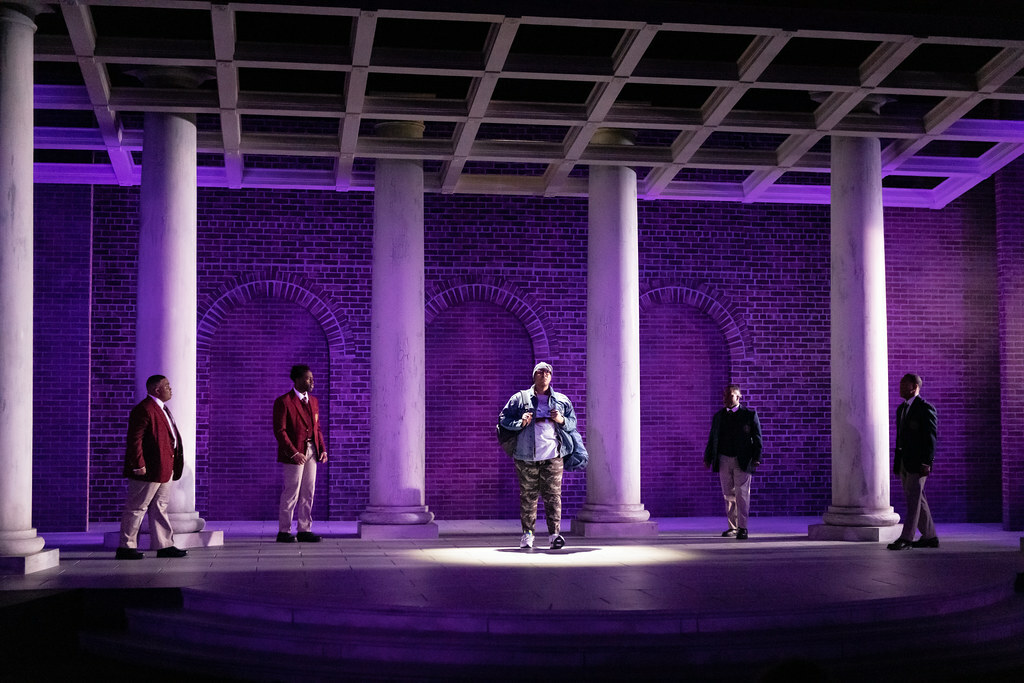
x,y
687,568
687,581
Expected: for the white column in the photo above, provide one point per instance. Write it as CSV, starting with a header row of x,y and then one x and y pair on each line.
x,y
21,550
860,509
613,506
397,351
165,327
167,300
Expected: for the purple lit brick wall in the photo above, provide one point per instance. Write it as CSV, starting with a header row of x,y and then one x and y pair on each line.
x,y
768,267
478,355
60,425
112,394
1003,394
252,351
943,325
742,296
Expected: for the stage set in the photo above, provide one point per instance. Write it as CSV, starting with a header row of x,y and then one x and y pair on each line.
x,y
421,203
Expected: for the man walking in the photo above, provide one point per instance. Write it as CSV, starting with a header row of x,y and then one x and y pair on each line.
x,y
734,451
916,433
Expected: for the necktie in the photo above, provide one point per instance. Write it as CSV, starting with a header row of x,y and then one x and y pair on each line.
x,y
174,426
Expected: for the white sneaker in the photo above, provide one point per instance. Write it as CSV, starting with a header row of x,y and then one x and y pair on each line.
x,y
527,540
556,541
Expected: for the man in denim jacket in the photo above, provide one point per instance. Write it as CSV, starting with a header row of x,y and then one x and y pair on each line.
x,y
539,414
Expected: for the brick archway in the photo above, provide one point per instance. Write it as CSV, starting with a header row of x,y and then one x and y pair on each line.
x,y
496,291
284,287
710,302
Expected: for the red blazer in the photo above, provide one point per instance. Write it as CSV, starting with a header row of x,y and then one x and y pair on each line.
x,y
294,424
150,444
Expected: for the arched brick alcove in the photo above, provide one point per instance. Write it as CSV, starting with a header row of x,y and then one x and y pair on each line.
x,y
273,320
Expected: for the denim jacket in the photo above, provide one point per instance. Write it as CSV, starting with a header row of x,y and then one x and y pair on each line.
x,y
511,417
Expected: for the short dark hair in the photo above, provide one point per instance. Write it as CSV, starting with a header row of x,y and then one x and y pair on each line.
x,y
913,379
299,371
153,381
729,388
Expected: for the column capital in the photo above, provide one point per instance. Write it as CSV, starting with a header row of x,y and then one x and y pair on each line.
x,y
23,10
400,129
173,76
613,136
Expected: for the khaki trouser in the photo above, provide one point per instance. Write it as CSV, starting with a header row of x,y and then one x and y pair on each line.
x,y
298,487
143,497
735,490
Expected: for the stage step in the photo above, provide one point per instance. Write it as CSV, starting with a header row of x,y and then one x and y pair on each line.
x,y
254,648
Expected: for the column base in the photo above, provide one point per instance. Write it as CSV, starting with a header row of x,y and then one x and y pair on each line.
x,y
396,514
396,531
186,522
614,529
864,534
194,539
28,564
849,515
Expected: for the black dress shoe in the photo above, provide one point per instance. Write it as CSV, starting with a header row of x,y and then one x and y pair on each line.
x,y
900,544
728,532
171,551
741,534
128,554
932,542
307,537
285,537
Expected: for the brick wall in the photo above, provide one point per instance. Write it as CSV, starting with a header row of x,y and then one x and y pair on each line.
x,y
1003,396
60,424
742,296
250,359
944,325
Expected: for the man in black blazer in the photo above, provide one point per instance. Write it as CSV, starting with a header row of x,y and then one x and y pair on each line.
x,y
734,451
916,432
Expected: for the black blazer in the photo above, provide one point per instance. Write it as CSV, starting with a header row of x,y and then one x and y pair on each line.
x,y
915,436
750,446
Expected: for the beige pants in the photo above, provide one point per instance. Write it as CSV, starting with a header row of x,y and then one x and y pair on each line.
x,y
735,490
143,497
299,485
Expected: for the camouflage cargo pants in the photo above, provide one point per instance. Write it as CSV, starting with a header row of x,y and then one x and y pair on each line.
x,y
543,478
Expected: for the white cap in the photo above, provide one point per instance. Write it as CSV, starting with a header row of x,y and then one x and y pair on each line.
x,y
542,366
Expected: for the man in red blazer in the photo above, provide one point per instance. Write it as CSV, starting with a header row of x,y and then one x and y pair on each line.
x,y
300,444
153,458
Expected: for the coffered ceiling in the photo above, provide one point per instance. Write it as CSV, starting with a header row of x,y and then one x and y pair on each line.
x,y
724,101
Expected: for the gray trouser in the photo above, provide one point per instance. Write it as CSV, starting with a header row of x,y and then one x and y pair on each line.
x,y
919,516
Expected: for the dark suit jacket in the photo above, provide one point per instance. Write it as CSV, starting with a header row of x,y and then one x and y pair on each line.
x,y
150,444
750,444
294,424
915,436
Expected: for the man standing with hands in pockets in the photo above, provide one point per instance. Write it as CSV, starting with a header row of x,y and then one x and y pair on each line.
x,y
300,445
